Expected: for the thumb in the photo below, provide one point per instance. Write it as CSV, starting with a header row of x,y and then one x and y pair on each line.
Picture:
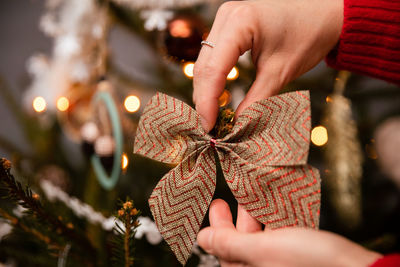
x,y
227,244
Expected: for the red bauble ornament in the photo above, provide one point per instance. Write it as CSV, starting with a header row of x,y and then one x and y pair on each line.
x,y
183,37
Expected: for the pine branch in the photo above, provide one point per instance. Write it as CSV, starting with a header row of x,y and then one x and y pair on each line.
x,y
54,246
31,202
125,237
17,223
126,243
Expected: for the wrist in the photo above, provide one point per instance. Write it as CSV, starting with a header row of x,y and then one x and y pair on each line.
x,y
337,19
361,257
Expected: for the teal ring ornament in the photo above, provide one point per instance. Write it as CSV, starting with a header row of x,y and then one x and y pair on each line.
x,y
109,182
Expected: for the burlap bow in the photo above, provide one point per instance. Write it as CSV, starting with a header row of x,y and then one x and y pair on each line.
x,y
263,161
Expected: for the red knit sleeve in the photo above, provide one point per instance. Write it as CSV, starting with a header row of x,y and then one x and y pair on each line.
x,y
392,260
370,39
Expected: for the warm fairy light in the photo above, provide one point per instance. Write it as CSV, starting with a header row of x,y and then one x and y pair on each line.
x,y
233,74
188,69
180,28
328,99
39,104
124,161
224,99
132,103
62,103
319,136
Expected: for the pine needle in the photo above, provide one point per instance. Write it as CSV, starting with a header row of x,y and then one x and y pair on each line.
x,y
31,202
125,235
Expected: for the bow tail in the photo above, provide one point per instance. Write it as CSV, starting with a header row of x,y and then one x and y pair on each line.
x,y
180,201
277,196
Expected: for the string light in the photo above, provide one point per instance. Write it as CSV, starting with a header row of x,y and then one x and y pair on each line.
x,y
328,99
132,103
62,103
319,136
233,74
124,161
188,69
39,104
224,99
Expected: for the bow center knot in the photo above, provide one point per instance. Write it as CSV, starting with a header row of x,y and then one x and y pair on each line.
x,y
213,142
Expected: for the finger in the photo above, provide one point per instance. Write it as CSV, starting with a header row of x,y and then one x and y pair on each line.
x,y
269,81
209,109
231,264
205,51
245,222
231,40
227,244
202,240
220,214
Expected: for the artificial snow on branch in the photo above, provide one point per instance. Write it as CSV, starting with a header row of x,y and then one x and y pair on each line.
x,y
147,227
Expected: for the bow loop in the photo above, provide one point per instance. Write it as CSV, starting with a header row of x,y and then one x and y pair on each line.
x,y
168,130
181,199
274,131
276,196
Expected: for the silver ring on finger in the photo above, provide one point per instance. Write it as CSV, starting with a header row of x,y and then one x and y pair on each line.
x,y
207,43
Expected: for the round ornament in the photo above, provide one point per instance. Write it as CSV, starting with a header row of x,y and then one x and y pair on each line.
x,y
183,36
108,147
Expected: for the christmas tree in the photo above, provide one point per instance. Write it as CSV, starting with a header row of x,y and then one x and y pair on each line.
x,y
74,193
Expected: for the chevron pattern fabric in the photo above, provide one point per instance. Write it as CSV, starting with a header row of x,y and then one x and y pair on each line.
x,y
263,159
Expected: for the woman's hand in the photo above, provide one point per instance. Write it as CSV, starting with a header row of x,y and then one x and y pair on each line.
x,y
285,247
286,38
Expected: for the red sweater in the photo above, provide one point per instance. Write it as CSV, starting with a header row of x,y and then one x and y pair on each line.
x,y
392,260
370,44
370,39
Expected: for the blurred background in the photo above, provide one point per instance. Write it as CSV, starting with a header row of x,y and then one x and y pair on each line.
x,y
58,56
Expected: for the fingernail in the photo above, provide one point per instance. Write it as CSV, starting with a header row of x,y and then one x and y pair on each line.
x,y
204,124
204,238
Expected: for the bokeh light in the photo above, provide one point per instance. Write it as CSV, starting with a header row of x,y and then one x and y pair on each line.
x,y
319,136
39,104
328,99
233,74
224,99
188,69
62,103
124,161
132,103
